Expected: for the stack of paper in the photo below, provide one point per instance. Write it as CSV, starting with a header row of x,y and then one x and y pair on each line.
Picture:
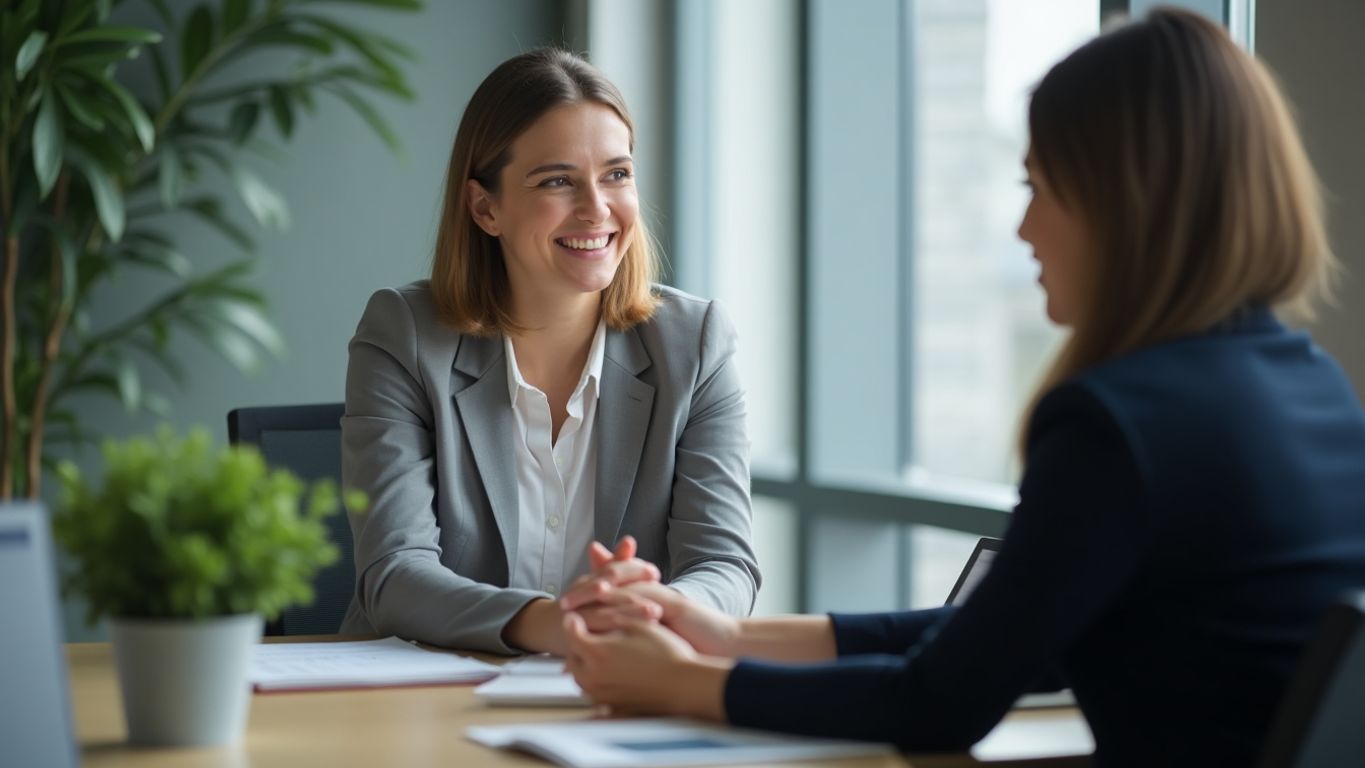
x,y
661,742
536,681
368,663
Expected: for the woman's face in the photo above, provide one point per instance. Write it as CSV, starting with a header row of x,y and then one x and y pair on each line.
x,y
566,205
1059,242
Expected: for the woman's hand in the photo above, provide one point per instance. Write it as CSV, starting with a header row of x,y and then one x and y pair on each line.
x,y
539,626
706,629
643,668
609,570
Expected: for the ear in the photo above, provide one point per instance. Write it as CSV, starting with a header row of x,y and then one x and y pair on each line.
x,y
481,208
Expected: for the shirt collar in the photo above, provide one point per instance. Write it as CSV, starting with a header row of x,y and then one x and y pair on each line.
x,y
592,369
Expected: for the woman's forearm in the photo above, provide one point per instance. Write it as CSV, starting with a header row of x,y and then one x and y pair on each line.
x,y
786,638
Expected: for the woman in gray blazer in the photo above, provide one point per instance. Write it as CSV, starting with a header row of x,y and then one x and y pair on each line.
x,y
540,392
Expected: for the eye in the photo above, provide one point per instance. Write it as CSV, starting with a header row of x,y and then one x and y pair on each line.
x,y
555,181
618,174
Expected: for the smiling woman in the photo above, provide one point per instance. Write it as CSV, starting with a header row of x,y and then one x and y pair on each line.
x,y
540,393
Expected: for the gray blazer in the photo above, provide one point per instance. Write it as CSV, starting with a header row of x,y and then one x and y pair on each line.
x,y
428,435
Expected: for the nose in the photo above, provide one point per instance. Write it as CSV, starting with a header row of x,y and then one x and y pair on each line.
x,y
592,205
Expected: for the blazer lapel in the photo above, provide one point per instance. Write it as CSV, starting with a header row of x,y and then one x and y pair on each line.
x,y
486,411
623,411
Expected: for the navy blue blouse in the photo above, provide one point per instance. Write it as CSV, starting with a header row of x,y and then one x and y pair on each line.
x,y
1188,513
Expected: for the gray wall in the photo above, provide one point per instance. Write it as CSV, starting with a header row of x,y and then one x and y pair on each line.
x,y
1314,48
362,220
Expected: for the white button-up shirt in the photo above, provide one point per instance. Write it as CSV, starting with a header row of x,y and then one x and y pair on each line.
x,y
556,479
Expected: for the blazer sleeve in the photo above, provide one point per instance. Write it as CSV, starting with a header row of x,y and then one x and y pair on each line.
x,y
1076,541
710,526
388,451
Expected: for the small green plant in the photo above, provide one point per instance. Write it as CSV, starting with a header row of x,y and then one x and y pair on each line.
x,y
183,529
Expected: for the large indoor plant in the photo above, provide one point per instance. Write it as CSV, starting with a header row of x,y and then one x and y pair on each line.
x,y
185,546
94,171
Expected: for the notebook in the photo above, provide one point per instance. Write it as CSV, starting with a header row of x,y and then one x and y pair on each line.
x,y
359,664
36,726
535,681
972,574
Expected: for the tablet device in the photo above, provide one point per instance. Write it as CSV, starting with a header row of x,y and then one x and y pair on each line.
x,y
35,716
974,570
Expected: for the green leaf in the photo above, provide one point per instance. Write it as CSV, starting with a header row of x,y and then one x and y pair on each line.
x,y
129,384
371,116
164,11
251,322
234,13
211,212
48,144
142,125
282,110
229,342
265,204
243,121
112,34
172,178
108,198
367,46
75,104
159,257
70,253
28,53
196,40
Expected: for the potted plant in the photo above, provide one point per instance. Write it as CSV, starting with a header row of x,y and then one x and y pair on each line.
x,y
110,133
185,546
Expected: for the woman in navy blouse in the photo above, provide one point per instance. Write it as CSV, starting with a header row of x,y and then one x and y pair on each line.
x,y
1194,488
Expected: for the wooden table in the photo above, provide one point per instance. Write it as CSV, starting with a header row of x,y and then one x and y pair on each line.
x,y
418,726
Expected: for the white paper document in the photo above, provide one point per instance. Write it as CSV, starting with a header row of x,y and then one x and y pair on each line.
x,y
535,681
362,664
1064,734
660,742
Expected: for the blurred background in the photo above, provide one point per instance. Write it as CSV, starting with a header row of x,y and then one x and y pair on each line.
x,y
843,175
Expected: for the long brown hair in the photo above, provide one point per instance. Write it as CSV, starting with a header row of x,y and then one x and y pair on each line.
x,y
1178,152
468,276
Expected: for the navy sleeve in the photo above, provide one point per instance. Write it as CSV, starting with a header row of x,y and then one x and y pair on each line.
x,y
1075,540
860,633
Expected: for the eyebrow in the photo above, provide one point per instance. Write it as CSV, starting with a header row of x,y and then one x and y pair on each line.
x,y
552,167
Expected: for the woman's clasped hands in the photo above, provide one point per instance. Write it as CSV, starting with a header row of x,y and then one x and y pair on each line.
x,y
640,647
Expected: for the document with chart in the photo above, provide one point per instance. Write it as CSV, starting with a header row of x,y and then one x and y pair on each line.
x,y
661,742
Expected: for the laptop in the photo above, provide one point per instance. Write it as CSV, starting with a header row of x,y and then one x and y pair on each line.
x,y
972,574
35,715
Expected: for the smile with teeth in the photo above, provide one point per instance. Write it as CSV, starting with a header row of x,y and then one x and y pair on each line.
x,y
586,244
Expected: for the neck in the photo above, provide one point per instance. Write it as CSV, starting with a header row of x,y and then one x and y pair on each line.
x,y
558,335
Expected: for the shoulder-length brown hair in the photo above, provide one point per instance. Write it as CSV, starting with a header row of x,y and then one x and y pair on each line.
x,y
1177,151
468,276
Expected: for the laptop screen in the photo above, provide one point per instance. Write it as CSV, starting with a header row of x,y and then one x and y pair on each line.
x,y
974,571
36,728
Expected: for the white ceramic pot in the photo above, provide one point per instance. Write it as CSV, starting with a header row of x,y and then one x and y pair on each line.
x,y
184,682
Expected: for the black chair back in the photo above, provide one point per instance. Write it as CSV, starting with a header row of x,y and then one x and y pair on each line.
x,y
1321,722
306,439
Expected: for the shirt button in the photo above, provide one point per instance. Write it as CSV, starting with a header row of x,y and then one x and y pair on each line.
x,y
553,522
552,588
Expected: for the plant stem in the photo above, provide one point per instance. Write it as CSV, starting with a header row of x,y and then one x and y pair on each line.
x,y
225,46
51,347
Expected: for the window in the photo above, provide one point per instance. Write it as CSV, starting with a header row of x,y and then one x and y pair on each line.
x,y
848,184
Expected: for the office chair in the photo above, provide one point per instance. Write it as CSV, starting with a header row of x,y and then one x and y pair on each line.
x,y
306,439
1319,722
